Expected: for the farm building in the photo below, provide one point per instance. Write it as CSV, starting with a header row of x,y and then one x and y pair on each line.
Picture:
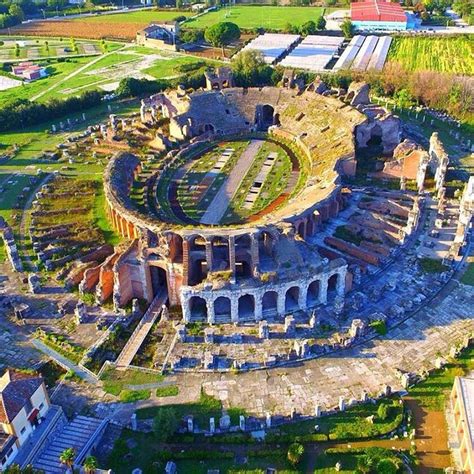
x,y
159,35
29,71
370,15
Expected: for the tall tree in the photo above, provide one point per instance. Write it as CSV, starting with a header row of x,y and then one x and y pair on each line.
x,y
67,457
222,34
347,28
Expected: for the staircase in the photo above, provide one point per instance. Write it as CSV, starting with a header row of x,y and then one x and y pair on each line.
x,y
144,326
75,434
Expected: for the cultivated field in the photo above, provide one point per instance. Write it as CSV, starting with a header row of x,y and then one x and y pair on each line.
x,y
447,54
117,26
258,16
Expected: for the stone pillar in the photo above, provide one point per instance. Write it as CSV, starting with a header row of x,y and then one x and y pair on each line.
x,y
234,309
232,258
341,282
186,311
211,317
342,404
254,253
258,307
209,256
302,294
317,411
323,289
185,262
281,303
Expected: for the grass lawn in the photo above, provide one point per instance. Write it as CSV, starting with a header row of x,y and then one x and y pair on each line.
x,y
442,54
169,391
144,16
467,278
114,381
432,392
249,17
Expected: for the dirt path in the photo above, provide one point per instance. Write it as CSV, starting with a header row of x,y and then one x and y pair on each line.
x,y
431,437
216,210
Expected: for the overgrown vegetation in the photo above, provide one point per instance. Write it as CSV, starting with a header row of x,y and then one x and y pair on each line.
x,y
432,265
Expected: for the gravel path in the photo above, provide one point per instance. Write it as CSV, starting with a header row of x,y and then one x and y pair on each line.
x,y
216,210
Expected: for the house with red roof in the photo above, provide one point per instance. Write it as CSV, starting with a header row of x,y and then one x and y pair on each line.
x,y
380,15
24,403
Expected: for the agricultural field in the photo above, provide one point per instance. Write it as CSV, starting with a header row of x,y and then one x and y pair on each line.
x,y
122,26
249,17
447,54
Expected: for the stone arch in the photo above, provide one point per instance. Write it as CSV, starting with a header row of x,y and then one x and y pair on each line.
x,y
266,244
301,229
264,116
208,127
196,243
197,309
222,309
310,226
270,301
291,298
243,256
312,294
175,243
246,307
159,280
220,253
332,285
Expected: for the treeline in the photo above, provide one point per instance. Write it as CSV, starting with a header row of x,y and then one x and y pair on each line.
x,y
10,15
22,113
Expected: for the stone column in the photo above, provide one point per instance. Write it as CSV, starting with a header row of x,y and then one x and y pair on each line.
x,y
234,309
232,258
185,262
258,307
254,253
211,317
323,289
209,256
281,303
302,303
186,310
341,282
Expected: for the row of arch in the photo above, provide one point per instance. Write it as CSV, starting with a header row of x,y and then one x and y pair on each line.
x,y
251,306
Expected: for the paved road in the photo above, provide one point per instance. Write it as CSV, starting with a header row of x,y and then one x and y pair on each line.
x,y
216,210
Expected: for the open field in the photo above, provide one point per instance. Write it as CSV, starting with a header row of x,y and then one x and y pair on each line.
x,y
21,49
258,16
453,54
118,26
103,73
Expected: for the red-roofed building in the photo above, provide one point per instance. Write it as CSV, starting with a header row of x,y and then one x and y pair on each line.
x,y
380,15
24,402
29,71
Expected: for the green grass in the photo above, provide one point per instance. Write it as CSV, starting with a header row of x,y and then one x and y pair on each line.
x,y
115,381
144,16
130,396
101,220
441,54
467,278
347,425
379,326
169,391
433,392
202,410
250,17
432,265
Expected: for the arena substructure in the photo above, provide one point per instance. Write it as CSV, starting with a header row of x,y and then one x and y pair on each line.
x,y
247,231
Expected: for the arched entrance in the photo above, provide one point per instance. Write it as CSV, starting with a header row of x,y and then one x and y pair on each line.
x,y
291,299
198,309
246,307
312,297
159,281
222,311
243,257
270,301
332,286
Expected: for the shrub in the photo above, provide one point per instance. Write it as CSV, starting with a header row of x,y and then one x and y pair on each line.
x,y
383,411
129,396
295,453
169,391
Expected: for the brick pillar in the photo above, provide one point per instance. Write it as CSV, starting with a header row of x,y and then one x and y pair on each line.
x,y
186,310
281,303
185,262
254,253
211,317
234,309
258,307
302,303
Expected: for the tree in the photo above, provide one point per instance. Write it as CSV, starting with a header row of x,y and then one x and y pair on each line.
x,y
250,69
308,28
295,453
386,466
16,12
320,23
347,28
222,34
90,464
383,411
165,423
67,457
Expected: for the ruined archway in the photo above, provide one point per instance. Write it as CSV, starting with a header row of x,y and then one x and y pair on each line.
x,y
175,243
332,285
220,254
197,309
159,281
246,307
312,297
222,309
270,301
243,256
301,230
291,299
